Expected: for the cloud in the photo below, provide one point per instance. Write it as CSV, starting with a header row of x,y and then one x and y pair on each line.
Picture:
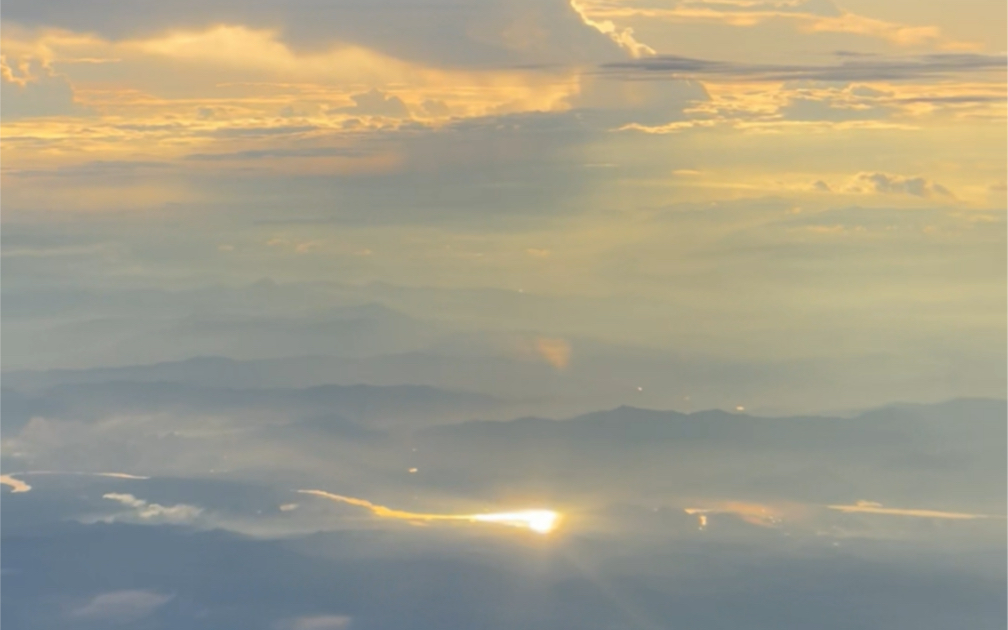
x,y
606,100
447,33
16,485
118,475
890,184
125,499
622,37
435,108
767,125
870,507
33,90
826,109
377,103
816,16
347,115
315,622
122,607
232,67
868,68
113,475
180,513
763,106
260,154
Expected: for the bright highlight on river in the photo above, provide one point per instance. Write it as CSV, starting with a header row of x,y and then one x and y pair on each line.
x,y
538,521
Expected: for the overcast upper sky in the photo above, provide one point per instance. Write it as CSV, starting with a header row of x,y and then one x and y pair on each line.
x,y
744,182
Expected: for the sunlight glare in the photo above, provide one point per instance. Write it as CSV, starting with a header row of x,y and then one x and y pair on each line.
x,y
539,521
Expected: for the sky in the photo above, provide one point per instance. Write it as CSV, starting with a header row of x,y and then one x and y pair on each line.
x,y
736,183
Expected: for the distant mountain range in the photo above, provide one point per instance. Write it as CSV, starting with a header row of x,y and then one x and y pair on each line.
x,y
598,377
391,406
950,454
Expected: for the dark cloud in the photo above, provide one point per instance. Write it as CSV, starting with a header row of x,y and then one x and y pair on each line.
x,y
509,166
858,68
254,132
965,99
377,103
607,102
258,154
441,32
889,183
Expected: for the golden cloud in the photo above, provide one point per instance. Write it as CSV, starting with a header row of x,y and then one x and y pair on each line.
x,y
751,14
16,485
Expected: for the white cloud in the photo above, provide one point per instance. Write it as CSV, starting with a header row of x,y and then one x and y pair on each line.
x,y
125,499
145,511
316,622
622,37
122,607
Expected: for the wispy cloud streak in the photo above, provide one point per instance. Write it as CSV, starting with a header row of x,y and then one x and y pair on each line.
x,y
870,507
861,68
